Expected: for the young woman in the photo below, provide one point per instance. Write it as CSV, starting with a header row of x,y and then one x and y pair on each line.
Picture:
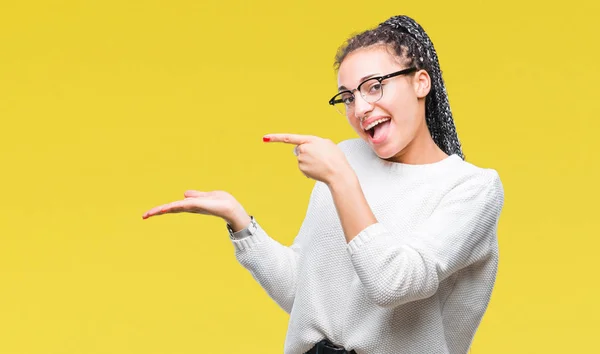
x,y
398,250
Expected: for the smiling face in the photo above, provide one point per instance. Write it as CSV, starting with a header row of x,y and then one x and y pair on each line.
x,y
395,123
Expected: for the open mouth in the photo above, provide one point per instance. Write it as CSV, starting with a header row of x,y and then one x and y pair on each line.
x,y
375,126
371,132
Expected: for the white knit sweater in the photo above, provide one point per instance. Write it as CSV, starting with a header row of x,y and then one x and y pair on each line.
x,y
418,281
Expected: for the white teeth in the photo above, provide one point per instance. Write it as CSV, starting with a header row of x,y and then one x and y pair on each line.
x,y
376,122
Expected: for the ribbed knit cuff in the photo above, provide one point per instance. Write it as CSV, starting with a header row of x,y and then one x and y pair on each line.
x,y
248,242
366,235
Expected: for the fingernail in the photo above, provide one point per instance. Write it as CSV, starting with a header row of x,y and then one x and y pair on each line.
x,y
266,139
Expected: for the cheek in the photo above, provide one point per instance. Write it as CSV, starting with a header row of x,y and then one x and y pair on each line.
x,y
355,123
402,107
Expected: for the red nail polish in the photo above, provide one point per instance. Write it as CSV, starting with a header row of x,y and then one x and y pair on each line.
x,y
266,139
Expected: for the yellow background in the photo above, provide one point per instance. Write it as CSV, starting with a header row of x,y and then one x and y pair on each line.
x,y
109,108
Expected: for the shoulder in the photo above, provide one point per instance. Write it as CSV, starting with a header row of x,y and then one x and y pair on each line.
x,y
356,150
350,145
475,180
477,174
360,156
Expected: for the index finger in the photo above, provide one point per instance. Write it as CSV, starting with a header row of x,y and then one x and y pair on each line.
x,y
296,139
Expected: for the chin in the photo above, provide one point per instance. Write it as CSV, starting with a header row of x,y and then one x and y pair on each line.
x,y
385,152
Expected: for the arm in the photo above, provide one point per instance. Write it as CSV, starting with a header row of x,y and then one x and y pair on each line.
x,y
272,264
351,205
396,269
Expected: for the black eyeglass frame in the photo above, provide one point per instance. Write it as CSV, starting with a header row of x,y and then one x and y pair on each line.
x,y
333,101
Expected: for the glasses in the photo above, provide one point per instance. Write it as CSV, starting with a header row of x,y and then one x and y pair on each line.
x,y
371,91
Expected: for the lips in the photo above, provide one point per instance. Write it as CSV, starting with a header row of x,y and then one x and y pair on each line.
x,y
370,122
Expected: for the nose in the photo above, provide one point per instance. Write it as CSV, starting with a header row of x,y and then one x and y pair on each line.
x,y
361,106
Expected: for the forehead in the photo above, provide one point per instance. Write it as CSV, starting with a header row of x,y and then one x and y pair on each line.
x,y
371,61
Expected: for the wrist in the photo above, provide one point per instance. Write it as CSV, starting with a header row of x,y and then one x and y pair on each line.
x,y
238,219
343,180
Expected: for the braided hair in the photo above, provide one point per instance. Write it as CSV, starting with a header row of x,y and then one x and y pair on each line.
x,y
412,45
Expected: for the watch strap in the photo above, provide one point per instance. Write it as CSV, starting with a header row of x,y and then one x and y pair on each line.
x,y
250,230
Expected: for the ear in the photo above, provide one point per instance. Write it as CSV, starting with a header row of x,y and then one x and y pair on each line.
x,y
422,83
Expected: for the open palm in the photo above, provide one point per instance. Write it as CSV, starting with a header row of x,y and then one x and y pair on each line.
x,y
217,203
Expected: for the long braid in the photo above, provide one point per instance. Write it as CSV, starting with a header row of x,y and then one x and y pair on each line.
x,y
411,43
438,113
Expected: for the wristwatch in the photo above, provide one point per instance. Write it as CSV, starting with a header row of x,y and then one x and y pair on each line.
x,y
248,231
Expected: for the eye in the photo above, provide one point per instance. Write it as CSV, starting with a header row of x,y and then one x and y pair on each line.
x,y
371,88
347,98
375,87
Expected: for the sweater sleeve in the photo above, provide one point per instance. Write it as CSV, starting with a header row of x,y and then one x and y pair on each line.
x,y
273,265
396,268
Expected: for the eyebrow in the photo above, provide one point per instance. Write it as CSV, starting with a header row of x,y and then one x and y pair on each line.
x,y
343,88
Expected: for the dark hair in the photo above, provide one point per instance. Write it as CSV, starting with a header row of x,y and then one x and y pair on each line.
x,y
412,45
